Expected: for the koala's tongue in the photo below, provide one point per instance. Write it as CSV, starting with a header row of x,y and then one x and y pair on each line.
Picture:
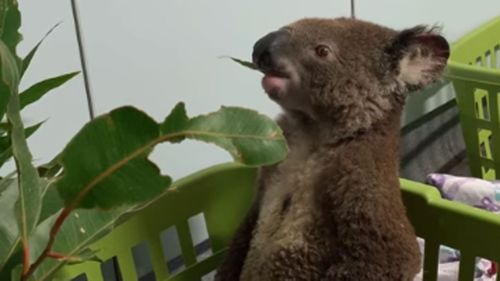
x,y
273,84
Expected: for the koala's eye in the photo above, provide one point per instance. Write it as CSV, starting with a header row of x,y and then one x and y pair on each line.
x,y
322,51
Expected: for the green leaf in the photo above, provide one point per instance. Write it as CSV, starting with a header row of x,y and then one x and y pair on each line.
x,y
14,260
6,148
4,127
8,69
5,145
86,255
9,229
16,273
245,63
52,202
6,181
105,164
251,138
31,54
4,6
10,23
4,95
9,38
32,129
9,226
35,92
176,121
50,169
81,228
29,202
9,76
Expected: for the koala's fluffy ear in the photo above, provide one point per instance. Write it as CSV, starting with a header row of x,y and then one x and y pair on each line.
x,y
418,55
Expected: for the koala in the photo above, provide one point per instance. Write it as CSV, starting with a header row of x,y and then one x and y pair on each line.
x,y
332,210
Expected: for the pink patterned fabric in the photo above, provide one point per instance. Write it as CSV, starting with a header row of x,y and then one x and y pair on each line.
x,y
475,192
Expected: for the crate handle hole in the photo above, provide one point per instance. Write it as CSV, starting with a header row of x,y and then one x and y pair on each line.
x,y
479,61
487,58
497,55
110,270
172,250
142,262
199,236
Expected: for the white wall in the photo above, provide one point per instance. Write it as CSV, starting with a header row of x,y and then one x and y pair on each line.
x,y
154,53
456,17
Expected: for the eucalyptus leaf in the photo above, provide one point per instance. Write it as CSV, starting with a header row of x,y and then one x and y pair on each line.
x,y
5,143
9,227
9,230
50,169
81,229
245,63
29,201
52,202
32,129
4,127
15,260
6,182
176,121
85,255
251,138
11,22
4,7
31,54
4,94
9,76
16,273
35,92
9,72
105,164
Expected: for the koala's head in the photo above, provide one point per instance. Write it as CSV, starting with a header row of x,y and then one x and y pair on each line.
x,y
347,72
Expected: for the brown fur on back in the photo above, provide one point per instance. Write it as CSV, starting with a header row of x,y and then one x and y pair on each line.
x,y
332,210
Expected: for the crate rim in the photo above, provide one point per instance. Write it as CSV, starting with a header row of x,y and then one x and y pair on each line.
x,y
473,73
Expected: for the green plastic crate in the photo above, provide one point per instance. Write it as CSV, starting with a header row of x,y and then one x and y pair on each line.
x,y
223,194
474,69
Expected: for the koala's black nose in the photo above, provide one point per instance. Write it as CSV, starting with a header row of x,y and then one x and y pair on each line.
x,y
265,48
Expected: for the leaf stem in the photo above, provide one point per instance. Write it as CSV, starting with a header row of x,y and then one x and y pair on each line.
x,y
57,256
48,248
26,256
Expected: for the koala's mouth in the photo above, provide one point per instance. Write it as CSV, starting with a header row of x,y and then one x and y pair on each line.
x,y
275,84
